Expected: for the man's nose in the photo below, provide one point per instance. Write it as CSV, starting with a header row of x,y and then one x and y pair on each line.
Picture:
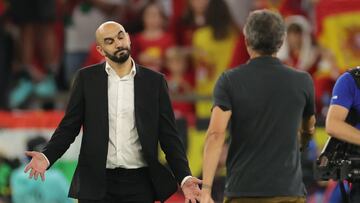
x,y
118,43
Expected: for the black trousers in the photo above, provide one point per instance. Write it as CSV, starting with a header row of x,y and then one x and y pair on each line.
x,y
127,186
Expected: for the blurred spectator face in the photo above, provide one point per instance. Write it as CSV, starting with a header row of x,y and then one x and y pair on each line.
x,y
294,36
113,42
176,61
199,6
153,17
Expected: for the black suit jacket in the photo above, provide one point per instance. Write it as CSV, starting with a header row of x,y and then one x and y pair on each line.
x,y
88,108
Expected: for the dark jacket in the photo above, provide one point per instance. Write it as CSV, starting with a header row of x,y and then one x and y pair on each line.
x,y
88,108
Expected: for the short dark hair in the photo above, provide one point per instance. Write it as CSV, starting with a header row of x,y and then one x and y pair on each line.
x,y
264,31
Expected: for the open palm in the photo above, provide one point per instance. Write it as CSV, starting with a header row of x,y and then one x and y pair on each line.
x,y
37,165
191,190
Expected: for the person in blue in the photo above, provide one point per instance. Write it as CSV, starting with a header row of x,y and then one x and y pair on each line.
x,y
53,190
345,96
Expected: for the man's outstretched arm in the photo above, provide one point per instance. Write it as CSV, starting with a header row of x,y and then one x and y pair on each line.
x,y
63,136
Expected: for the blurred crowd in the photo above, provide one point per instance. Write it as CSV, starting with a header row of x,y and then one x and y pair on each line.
x,y
44,42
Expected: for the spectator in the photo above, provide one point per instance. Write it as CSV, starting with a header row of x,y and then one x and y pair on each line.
x,y
82,23
214,46
35,19
150,45
192,19
299,51
180,82
53,189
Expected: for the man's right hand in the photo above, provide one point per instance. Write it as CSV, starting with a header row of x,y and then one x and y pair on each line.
x,y
37,165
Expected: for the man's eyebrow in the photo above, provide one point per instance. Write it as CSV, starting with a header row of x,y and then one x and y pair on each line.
x,y
121,32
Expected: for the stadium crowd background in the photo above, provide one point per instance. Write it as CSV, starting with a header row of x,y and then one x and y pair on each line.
x,y
44,42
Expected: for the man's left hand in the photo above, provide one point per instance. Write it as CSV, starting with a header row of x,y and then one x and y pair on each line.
x,y
191,190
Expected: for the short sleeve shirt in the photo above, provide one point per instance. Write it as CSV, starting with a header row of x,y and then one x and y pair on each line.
x,y
268,102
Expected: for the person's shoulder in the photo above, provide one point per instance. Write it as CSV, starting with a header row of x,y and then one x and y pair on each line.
x,y
346,79
240,69
92,68
230,74
232,71
297,73
345,76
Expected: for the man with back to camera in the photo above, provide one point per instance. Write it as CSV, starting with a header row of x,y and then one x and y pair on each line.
x,y
268,105
124,110
345,99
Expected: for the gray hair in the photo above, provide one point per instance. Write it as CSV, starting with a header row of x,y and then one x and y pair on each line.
x,y
264,31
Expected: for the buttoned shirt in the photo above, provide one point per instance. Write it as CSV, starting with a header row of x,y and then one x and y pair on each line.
x,y
124,149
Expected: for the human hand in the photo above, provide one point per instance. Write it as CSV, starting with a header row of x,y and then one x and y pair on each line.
x,y
191,190
37,165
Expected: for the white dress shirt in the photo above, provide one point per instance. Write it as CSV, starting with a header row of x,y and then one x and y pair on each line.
x,y
124,145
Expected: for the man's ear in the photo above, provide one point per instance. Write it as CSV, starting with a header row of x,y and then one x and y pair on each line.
x,y
100,50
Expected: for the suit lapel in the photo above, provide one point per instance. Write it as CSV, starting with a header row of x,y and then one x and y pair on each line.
x,y
103,99
139,102
138,88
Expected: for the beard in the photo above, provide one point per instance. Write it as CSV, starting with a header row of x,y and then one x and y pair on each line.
x,y
119,58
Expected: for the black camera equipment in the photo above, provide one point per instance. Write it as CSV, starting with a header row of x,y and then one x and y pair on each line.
x,y
340,160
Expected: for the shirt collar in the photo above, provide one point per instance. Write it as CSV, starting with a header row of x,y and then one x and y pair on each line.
x,y
111,71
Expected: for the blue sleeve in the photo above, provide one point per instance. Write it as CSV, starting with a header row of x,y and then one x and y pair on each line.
x,y
344,91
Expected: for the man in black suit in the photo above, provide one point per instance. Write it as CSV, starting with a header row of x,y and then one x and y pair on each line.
x,y
125,111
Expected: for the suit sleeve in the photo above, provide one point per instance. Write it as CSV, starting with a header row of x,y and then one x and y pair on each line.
x,y
170,142
69,126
